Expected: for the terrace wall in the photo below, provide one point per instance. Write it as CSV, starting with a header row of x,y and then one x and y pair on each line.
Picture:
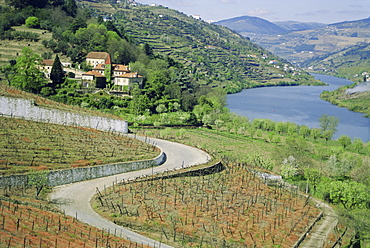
x,y
66,176
28,110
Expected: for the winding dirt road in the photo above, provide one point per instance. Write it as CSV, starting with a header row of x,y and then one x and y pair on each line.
x,y
74,199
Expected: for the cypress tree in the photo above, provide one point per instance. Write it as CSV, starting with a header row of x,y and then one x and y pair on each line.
x,y
57,74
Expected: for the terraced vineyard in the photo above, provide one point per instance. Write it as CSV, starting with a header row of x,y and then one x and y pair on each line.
x,y
10,49
27,146
233,208
27,226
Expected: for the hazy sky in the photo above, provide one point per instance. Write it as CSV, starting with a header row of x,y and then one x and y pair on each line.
x,y
324,11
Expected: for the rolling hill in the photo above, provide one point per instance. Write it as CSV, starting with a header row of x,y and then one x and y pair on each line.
x,y
255,26
247,25
301,46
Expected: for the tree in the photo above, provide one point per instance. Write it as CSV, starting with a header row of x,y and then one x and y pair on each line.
x,y
289,167
327,135
148,50
77,24
350,194
39,179
313,176
70,7
345,140
32,22
28,76
279,127
341,165
328,122
57,73
9,71
20,4
315,133
358,144
304,131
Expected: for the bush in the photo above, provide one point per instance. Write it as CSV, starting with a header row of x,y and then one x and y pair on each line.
x,y
32,22
47,91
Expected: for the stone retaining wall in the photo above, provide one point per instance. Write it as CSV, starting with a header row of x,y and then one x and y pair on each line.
x,y
66,176
28,110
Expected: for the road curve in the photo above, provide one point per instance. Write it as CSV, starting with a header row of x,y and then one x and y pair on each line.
x,y
74,199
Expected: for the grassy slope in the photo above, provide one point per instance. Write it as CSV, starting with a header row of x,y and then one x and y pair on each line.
x,y
10,49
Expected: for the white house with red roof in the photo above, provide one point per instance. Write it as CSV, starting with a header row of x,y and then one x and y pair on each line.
x,y
96,58
121,75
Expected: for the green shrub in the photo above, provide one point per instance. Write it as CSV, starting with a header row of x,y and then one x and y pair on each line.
x,y
32,22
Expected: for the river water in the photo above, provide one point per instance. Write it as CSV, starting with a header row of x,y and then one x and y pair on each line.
x,y
301,105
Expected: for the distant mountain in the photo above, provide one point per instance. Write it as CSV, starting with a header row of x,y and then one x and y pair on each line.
x,y
299,26
363,23
302,46
246,25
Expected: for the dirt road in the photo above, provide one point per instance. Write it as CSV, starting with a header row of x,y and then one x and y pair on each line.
x,y
75,198
320,233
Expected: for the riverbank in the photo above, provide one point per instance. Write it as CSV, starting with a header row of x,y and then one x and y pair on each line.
x,y
301,105
357,101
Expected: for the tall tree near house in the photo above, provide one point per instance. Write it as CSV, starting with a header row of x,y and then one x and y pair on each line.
x,y
57,73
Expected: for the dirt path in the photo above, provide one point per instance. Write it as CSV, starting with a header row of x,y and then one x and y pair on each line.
x,y
75,198
319,234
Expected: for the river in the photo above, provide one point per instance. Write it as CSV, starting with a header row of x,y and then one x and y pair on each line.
x,y
301,105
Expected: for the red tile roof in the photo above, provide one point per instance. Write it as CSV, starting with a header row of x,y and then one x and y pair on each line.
x,y
130,75
93,73
48,62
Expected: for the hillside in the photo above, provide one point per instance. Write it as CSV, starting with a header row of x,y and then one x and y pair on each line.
x,y
352,63
25,225
214,55
248,25
299,26
301,46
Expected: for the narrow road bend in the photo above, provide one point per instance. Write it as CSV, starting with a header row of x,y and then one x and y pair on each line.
x,y
74,199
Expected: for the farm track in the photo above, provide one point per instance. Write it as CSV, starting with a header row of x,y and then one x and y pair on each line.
x,y
317,238
74,199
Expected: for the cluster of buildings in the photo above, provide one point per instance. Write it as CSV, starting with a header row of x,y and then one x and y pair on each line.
x,y
103,73
120,75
